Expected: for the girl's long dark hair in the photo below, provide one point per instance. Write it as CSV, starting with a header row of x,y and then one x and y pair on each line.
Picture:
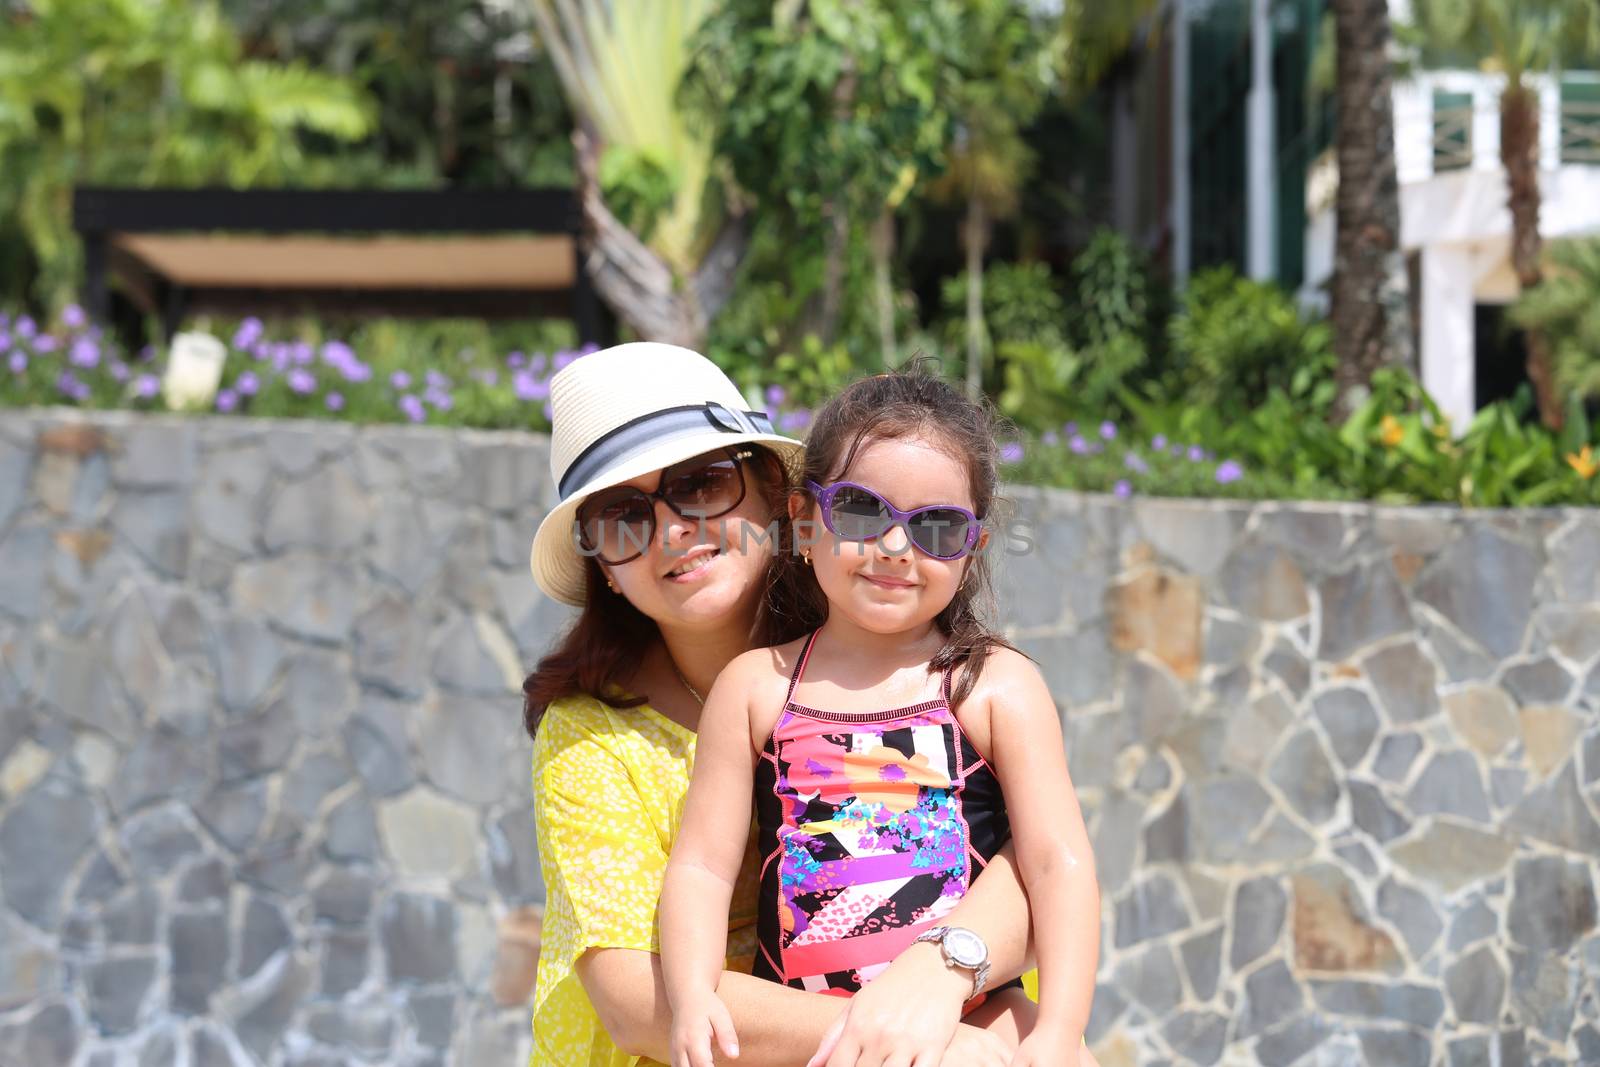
x,y
608,641
911,402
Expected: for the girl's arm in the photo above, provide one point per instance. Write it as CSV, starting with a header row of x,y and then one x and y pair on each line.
x,y
706,855
1053,849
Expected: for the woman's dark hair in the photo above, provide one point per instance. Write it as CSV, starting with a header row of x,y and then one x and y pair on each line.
x,y
608,640
914,402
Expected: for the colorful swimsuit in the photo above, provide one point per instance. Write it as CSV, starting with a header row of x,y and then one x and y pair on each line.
x,y
869,824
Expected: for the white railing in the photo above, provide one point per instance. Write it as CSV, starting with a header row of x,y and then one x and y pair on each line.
x,y
1430,140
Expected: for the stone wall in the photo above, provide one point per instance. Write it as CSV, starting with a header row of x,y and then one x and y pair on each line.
x,y
264,796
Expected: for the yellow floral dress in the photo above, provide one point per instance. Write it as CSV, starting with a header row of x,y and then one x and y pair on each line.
x,y
608,789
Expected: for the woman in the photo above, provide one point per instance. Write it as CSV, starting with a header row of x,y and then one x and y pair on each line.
x,y
670,491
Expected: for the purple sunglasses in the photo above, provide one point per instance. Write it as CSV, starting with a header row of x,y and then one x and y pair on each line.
x,y
855,513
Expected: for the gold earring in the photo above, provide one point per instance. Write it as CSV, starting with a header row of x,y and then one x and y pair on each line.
x,y
807,556
611,585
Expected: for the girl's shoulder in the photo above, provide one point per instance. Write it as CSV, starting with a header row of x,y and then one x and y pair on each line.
x,y
760,667
1005,674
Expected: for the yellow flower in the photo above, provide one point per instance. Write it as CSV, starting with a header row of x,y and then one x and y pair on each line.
x,y
1584,462
1390,432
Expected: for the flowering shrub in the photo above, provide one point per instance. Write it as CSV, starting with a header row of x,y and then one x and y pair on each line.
x,y
1397,447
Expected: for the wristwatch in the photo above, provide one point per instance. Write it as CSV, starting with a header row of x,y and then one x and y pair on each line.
x,y
961,948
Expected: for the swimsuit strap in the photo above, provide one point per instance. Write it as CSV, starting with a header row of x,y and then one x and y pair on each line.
x,y
944,686
800,666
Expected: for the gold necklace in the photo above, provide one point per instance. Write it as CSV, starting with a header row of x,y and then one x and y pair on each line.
x,y
698,699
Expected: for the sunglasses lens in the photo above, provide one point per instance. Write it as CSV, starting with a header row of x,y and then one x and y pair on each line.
x,y
857,514
940,532
706,490
617,527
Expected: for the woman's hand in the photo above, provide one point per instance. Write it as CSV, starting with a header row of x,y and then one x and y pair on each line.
x,y
905,1016
695,1024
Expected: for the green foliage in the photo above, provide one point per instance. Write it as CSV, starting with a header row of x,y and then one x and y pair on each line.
x,y
462,95
145,92
1515,37
1566,307
639,186
823,105
1236,340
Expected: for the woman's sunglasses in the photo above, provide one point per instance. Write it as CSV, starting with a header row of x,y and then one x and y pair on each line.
x,y
855,513
615,525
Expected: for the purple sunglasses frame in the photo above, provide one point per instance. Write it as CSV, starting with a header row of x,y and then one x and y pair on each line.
x,y
825,493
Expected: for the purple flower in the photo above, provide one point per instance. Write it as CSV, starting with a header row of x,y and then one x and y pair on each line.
x,y
67,383
337,353
549,412
248,384
84,353
1159,442
526,386
1122,489
515,360
5,339
261,350
45,343
1135,462
1108,430
146,386
356,371
1049,437
18,361
334,401
227,400
25,328
1078,445
400,380
798,419
302,381
248,334
537,363
147,353
440,399
411,404
1011,452
301,354
564,359
1196,454
73,318
436,380
1070,429
776,395
1229,472
120,371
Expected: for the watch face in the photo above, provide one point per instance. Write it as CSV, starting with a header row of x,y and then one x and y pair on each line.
x,y
965,948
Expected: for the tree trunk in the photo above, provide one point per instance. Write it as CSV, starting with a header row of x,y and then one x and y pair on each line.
x,y
883,286
976,238
1519,153
1370,312
836,210
640,287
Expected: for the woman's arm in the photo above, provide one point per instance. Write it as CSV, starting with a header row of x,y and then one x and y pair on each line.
x,y
698,887
778,1026
1053,851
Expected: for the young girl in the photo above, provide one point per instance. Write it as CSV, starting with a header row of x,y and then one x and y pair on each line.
x,y
878,747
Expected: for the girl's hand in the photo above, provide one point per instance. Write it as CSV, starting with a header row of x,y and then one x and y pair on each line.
x,y
905,1016
1049,1047
972,1047
695,1025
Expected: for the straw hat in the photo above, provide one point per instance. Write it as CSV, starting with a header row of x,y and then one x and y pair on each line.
x,y
627,411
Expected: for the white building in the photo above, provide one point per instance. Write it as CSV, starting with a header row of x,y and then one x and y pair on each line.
x,y
1222,153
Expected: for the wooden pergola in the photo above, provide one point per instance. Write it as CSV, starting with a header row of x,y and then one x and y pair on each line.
x,y
488,253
